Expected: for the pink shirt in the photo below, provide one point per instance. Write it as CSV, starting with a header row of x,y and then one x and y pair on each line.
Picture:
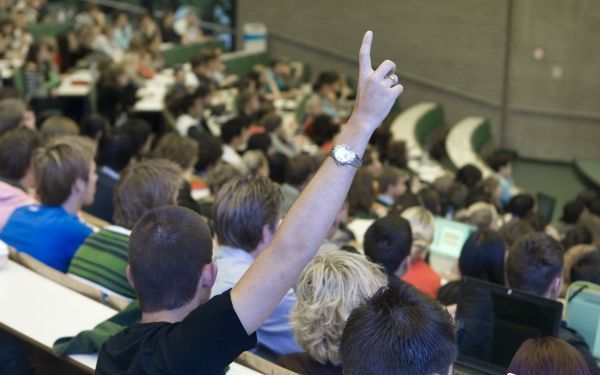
x,y
11,198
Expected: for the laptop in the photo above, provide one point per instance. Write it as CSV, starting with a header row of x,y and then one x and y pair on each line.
x,y
493,321
546,205
583,313
448,239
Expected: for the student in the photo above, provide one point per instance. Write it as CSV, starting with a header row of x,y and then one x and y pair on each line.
x,y
502,166
115,153
298,172
408,333
234,135
40,75
14,114
182,330
482,257
361,197
548,356
388,242
65,177
246,213
534,265
329,288
420,274
56,126
16,174
102,258
190,121
392,185
587,268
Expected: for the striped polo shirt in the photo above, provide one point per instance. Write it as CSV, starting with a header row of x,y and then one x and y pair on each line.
x,y
102,260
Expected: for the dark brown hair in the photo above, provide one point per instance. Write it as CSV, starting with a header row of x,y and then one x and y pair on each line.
x,y
548,356
243,207
167,249
144,186
16,149
59,164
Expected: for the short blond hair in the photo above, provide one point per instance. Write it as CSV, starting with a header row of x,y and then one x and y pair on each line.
x,y
58,165
422,224
329,288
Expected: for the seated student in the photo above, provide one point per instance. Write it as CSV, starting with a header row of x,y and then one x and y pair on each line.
x,y
515,229
399,331
65,177
14,114
95,126
481,215
171,269
246,213
502,166
534,265
234,135
572,255
392,185
420,274
431,200
182,151
16,174
577,235
361,197
280,139
203,67
388,242
40,76
248,106
548,356
570,216
521,205
482,257
469,175
587,268
329,288
57,126
190,121
116,151
102,258
210,151
299,170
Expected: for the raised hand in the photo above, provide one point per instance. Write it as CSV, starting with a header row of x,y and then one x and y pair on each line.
x,y
377,89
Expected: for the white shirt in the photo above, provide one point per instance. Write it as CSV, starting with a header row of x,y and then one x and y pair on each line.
x,y
184,123
231,157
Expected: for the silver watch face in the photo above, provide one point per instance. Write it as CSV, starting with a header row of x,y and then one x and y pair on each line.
x,y
343,154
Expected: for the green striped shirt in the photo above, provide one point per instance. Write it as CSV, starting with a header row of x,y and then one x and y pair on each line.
x,y
102,259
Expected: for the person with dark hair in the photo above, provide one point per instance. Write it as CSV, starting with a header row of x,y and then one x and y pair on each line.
x,y
321,131
501,164
94,126
521,205
260,142
482,257
115,152
298,172
587,197
372,161
408,333
406,201
535,265
278,167
587,268
102,258
248,106
577,235
327,91
203,68
515,229
280,140
468,175
571,213
392,185
397,154
190,121
40,76
141,134
548,356
58,126
171,267
431,200
116,93
388,242
361,197
65,179
210,150
234,135
16,174
13,114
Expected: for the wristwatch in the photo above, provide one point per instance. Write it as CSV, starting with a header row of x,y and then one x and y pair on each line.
x,y
343,155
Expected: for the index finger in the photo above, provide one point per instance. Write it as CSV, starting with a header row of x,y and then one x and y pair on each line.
x,y
364,55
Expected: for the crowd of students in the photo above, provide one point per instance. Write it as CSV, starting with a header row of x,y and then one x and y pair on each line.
x,y
273,199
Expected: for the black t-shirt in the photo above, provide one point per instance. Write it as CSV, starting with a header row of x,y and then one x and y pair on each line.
x,y
205,342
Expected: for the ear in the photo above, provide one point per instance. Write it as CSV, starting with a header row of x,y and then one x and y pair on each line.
x,y
129,276
209,275
79,187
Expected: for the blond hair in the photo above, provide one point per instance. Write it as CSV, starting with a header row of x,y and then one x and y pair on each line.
x,y
58,165
422,224
480,214
329,288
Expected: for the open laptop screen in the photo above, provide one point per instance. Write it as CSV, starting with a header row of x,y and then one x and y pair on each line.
x,y
449,237
494,321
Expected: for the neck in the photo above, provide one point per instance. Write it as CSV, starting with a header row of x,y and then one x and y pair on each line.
x,y
169,316
72,205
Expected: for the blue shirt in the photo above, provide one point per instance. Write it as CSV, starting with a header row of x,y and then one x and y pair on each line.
x,y
276,332
48,233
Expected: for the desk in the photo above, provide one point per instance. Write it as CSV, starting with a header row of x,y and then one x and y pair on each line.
x,y
78,83
404,128
42,311
460,148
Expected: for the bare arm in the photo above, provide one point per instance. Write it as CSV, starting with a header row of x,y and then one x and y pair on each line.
x,y
297,240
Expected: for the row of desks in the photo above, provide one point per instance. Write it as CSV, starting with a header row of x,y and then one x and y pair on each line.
x,y
40,311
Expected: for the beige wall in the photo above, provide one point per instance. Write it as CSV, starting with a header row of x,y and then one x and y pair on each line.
x,y
453,52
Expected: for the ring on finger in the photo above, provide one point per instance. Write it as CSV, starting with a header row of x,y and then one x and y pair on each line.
x,y
394,79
